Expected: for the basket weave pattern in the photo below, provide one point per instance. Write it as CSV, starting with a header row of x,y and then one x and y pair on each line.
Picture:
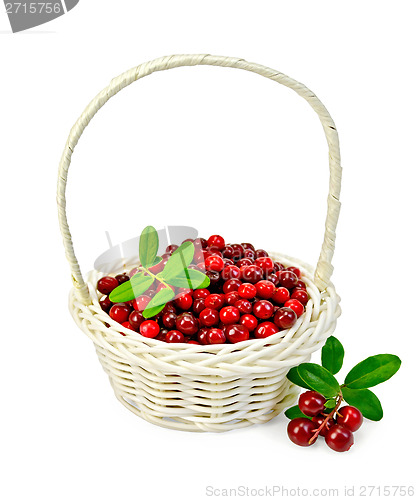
x,y
218,387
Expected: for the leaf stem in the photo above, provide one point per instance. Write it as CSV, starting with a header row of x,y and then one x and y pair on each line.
x,y
330,415
156,277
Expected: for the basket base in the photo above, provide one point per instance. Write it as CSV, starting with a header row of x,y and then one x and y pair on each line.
x,y
191,426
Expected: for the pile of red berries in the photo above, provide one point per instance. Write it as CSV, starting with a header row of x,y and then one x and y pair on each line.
x,y
249,296
336,427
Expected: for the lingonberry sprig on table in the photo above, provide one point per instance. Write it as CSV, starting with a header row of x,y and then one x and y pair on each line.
x,y
173,273
320,411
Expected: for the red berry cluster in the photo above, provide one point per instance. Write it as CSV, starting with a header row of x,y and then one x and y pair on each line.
x,y
338,431
249,296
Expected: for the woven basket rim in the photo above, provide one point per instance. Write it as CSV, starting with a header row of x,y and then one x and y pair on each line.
x,y
134,339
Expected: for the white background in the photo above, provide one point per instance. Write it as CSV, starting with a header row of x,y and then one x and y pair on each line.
x,y
224,151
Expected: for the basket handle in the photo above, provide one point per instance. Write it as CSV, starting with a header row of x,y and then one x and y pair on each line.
x,y
324,267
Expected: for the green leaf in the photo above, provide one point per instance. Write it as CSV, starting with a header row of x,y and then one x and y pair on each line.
x,y
319,378
149,313
149,244
331,403
294,377
179,260
332,355
294,412
372,371
365,400
131,289
190,278
158,302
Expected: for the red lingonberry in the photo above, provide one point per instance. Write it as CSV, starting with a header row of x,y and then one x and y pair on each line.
x,y
278,267
300,431
120,312
227,252
273,278
301,295
216,336
187,324
216,241
203,242
201,294
243,263
231,272
209,317
127,324
288,279
162,335
238,251
214,277
311,403
169,320
247,291
249,321
263,309
281,295
149,329
265,329
252,274
174,336
214,263
184,301
249,254
339,438
261,253
231,285
214,301
136,319
107,284
265,263
300,284
350,417
244,306
296,306
105,304
202,336
140,303
134,271
247,246
169,308
229,315
227,262
285,318
122,278
231,298
294,270
265,289
237,333
198,306
170,249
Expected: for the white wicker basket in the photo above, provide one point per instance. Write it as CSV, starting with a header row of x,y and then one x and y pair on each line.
x,y
217,387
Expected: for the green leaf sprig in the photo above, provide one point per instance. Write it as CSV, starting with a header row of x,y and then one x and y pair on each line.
x,y
175,273
355,389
